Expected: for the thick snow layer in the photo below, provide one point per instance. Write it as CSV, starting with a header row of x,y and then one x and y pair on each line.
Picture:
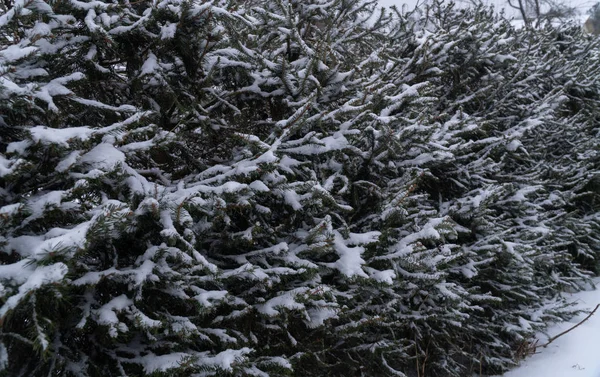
x,y
16,52
576,354
41,276
107,314
61,136
350,262
7,166
103,156
224,360
286,300
153,363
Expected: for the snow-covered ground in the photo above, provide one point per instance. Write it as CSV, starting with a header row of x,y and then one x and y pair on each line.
x,y
576,354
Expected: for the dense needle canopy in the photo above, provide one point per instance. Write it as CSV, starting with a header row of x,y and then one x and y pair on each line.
x,y
287,187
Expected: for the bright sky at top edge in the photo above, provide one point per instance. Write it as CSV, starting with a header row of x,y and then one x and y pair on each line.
x,y
582,5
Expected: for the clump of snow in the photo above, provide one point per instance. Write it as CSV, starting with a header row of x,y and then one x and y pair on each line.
x,y
104,156
18,147
107,314
514,145
161,363
94,276
385,276
406,245
146,321
17,272
60,136
318,316
350,262
205,297
41,276
223,360
168,31
68,161
55,238
150,65
182,325
292,199
7,166
16,52
286,300
221,334
258,186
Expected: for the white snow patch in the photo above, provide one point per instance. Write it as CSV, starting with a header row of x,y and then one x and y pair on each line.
x,y
146,321
55,238
286,300
161,363
11,209
17,272
41,276
68,161
258,186
385,276
106,314
205,297
514,145
168,31
16,52
7,166
405,245
150,65
293,199
225,360
94,276
350,262
61,136
18,147
318,316
104,156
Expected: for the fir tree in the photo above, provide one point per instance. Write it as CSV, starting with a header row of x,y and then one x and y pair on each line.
x,y
288,187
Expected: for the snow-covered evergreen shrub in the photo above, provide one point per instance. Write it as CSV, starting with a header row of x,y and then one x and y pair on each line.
x,y
288,187
480,137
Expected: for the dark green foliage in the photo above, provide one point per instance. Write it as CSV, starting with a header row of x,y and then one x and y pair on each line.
x,y
288,188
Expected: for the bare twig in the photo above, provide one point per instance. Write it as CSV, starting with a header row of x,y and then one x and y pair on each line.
x,y
552,339
480,364
526,349
425,358
417,358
